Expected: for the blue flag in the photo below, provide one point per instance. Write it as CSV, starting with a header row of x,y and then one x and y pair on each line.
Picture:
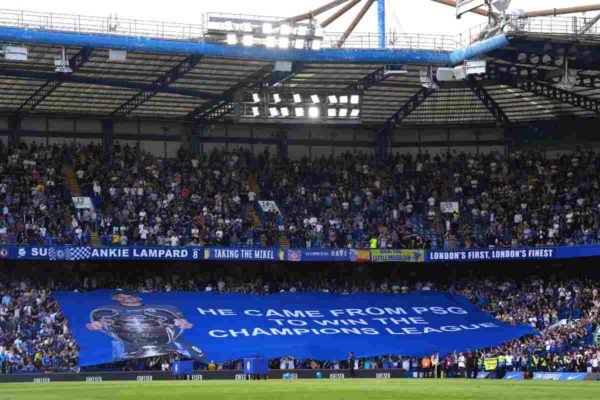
x,y
112,326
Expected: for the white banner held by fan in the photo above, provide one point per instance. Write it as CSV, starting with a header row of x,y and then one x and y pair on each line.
x,y
82,203
449,206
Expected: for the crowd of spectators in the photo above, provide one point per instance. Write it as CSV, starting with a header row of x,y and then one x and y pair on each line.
x,y
35,336
351,201
35,202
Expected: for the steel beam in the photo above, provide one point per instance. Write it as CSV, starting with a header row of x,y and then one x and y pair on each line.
x,y
117,83
487,100
369,80
171,76
354,23
339,13
42,93
407,108
480,11
217,108
588,25
315,12
546,90
553,12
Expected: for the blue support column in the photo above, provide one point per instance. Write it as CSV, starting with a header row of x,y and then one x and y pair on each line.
x,y
14,125
383,145
196,137
107,138
283,148
381,22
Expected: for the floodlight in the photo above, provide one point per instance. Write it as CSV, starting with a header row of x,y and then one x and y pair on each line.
x,y
313,112
315,99
343,112
285,112
255,97
355,112
267,28
299,44
299,111
276,98
316,44
232,39
271,41
344,99
297,98
354,99
284,42
15,53
273,112
301,30
285,30
332,99
247,27
248,40
255,111
331,112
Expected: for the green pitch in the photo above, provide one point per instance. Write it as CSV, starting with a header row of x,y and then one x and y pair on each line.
x,y
304,389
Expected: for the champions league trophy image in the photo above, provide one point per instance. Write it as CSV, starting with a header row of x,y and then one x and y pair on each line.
x,y
140,330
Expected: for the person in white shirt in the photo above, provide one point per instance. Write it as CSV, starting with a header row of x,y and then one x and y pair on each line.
x,y
462,365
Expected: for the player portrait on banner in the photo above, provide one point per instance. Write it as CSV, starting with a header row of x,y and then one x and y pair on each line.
x,y
140,330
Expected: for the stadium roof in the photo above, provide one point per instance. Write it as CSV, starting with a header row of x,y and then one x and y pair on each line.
x,y
156,82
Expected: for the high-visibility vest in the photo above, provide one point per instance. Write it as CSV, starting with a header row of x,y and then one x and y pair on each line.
x,y
501,361
373,243
426,362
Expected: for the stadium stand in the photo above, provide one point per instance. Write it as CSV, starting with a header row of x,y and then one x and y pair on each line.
x,y
34,335
351,201
299,170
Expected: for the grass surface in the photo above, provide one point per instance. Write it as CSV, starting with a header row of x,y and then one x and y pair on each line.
x,y
304,389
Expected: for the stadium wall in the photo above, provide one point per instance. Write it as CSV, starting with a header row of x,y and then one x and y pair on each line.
x,y
196,376
164,139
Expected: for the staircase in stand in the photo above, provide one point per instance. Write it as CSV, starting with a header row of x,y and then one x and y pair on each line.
x,y
75,190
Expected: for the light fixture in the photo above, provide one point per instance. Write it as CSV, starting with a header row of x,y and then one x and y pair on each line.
x,y
285,112
344,99
248,40
301,30
355,112
331,112
285,30
255,98
354,99
343,112
255,111
316,44
313,112
315,99
276,98
267,28
299,111
273,112
284,42
332,99
297,98
299,44
271,41
228,25
247,27
232,39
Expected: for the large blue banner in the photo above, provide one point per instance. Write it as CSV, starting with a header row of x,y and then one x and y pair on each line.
x,y
111,326
192,253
